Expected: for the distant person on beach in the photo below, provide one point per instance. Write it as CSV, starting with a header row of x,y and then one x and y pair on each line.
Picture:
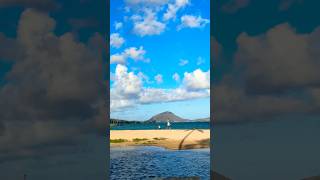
x,y
168,125
159,127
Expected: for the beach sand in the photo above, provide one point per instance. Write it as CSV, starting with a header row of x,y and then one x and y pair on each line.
x,y
175,139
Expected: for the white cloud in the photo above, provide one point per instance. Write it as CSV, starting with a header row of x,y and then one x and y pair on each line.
x,y
116,40
112,76
176,77
132,3
190,21
118,25
155,95
126,82
173,8
117,104
182,3
200,60
134,53
127,89
171,12
197,80
158,78
118,59
144,77
183,62
147,25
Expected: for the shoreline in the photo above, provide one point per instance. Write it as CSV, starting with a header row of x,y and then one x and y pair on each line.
x,y
174,139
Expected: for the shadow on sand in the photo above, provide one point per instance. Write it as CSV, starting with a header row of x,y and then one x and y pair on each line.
x,y
200,144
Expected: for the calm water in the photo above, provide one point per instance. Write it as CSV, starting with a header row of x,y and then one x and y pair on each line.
x,y
154,162
180,125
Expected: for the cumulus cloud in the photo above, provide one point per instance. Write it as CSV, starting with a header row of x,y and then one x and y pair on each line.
x,y
176,77
232,6
135,3
154,95
148,24
137,54
183,62
118,58
146,13
124,80
182,3
125,89
116,40
233,104
190,21
117,104
158,78
173,8
274,75
126,83
197,80
54,91
279,60
118,25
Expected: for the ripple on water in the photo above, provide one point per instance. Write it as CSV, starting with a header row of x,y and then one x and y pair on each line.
x,y
151,162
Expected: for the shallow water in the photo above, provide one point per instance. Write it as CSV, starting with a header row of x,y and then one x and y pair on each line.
x,y
147,162
180,125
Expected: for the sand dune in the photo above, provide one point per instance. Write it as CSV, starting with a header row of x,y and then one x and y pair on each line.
x,y
171,139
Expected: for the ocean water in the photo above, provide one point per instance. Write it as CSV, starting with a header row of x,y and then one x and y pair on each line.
x,y
180,125
148,162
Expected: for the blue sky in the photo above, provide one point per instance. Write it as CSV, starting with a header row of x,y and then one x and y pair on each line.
x,y
159,58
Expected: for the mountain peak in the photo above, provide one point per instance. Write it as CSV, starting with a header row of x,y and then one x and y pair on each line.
x,y
166,112
166,116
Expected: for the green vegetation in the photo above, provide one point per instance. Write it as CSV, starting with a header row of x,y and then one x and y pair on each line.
x,y
138,139
160,138
148,143
118,140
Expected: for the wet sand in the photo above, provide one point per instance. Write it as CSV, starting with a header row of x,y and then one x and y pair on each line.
x,y
170,139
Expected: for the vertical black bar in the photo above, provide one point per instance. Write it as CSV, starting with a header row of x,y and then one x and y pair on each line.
x,y
107,65
211,94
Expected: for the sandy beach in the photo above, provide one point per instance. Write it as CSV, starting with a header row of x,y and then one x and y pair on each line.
x,y
170,139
